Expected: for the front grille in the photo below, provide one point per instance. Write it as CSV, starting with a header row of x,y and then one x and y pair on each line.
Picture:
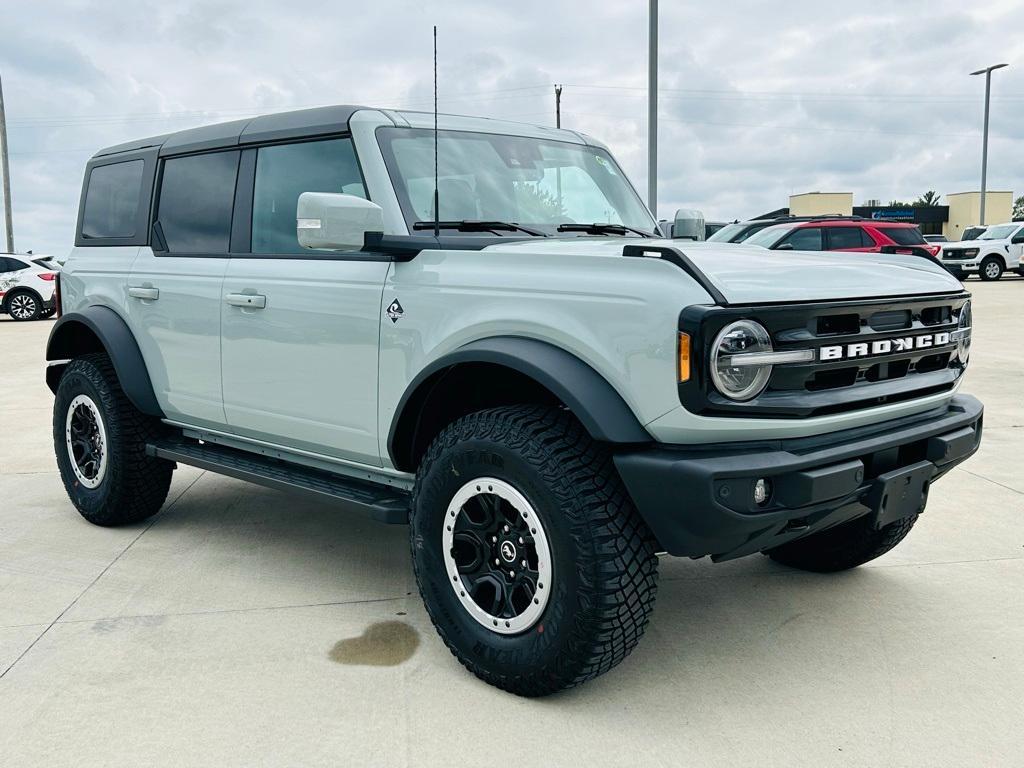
x,y
882,355
956,253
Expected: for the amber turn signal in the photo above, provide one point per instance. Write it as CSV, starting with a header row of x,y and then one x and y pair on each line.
x,y
684,357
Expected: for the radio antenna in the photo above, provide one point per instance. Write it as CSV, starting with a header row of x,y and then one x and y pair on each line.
x,y
437,205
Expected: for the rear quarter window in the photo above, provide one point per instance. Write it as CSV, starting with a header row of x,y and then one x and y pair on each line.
x,y
112,200
903,235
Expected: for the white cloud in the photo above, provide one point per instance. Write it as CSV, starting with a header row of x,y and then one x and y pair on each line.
x,y
758,100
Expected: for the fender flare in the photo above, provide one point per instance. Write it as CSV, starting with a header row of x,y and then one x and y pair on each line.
x,y
596,403
70,338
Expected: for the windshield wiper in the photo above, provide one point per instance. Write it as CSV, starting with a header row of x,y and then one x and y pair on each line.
x,y
468,225
602,229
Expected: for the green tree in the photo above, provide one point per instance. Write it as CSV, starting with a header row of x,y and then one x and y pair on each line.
x,y
1018,208
898,204
927,200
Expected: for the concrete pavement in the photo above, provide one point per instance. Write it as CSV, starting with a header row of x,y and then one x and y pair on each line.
x,y
243,627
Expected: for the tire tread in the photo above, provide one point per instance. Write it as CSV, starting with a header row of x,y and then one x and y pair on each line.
x,y
613,543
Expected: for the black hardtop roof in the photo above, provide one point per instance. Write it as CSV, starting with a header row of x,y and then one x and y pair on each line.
x,y
317,121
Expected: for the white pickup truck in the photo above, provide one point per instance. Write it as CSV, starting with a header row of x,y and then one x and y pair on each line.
x,y
998,249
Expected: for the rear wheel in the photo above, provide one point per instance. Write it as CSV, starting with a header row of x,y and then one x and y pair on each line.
x,y
24,305
843,547
100,439
991,268
532,562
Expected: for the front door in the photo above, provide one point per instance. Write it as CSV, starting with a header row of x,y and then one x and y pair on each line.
x,y
1016,249
300,329
174,291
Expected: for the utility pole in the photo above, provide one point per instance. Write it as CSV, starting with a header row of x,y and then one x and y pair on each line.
x,y
558,106
987,72
652,109
8,223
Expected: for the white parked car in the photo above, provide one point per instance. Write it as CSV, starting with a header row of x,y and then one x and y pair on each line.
x,y
996,250
27,287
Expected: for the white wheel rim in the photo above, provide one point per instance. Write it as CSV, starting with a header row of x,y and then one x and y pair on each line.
x,y
82,412
992,269
23,306
518,547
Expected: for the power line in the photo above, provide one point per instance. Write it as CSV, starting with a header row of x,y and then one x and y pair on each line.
x,y
771,126
403,100
790,94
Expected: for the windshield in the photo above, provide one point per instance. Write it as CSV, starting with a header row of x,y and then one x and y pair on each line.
x,y
998,233
769,236
537,183
727,233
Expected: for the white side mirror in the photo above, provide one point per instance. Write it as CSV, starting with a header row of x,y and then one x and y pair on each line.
x,y
688,225
335,221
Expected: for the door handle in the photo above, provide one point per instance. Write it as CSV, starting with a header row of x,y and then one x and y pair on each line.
x,y
138,292
247,300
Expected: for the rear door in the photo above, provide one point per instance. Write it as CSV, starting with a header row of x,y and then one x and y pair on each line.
x,y
300,328
850,239
174,291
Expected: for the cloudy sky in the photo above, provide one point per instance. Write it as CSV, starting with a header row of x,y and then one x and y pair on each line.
x,y
758,100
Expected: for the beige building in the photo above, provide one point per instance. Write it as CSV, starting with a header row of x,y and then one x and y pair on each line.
x,y
965,211
821,204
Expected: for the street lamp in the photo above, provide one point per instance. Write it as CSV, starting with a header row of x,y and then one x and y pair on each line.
x,y
987,72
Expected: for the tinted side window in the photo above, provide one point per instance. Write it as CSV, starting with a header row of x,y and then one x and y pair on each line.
x,y
903,235
197,195
844,238
112,200
283,173
805,239
4,265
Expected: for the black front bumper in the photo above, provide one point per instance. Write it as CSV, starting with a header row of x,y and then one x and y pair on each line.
x,y
700,500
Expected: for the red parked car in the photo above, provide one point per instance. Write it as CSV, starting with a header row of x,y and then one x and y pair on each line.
x,y
843,234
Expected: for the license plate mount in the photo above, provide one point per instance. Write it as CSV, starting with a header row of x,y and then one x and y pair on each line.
x,y
901,493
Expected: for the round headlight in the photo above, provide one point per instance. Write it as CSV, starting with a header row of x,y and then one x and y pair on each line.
x,y
963,329
734,377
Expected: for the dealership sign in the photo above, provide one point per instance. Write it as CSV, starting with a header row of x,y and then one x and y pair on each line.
x,y
893,214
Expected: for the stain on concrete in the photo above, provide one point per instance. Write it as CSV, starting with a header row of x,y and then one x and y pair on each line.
x,y
384,644
106,626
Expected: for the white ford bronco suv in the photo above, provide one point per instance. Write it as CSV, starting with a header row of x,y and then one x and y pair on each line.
x,y
481,332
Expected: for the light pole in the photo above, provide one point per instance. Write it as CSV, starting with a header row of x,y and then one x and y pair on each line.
x,y
652,108
987,72
6,175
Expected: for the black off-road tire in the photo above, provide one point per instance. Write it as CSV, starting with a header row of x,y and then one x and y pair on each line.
x,y
984,263
843,547
134,485
604,576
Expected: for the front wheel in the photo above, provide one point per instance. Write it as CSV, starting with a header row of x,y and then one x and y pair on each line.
x,y
100,439
843,547
533,564
991,268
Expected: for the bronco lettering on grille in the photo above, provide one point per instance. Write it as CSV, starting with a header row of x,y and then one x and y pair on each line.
x,y
883,346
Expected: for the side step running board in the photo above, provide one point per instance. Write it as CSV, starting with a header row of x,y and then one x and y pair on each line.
x,y
384,504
